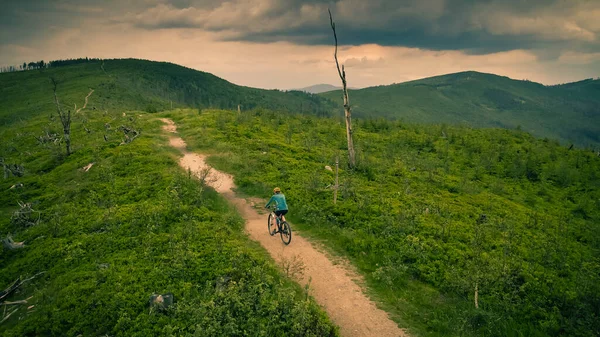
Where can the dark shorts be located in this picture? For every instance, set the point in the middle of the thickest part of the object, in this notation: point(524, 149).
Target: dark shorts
point(281, 212)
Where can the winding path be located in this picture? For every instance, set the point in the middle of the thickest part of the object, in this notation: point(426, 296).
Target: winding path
point(333, 285)
point(86, 101)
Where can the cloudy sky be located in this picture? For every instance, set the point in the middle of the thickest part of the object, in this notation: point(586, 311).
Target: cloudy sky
point(288, 43)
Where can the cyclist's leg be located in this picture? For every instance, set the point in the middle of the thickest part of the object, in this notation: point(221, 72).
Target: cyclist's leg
point(274, 223)
point(283, 213)
point(280, 218)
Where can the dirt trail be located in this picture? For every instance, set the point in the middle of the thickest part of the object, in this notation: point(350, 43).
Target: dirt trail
point(86, 100)
point(331, 284)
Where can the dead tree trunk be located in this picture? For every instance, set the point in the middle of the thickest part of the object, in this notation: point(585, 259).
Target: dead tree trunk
point(476, 295)
point(65, 118)
point(347, 113)
point(337, 185)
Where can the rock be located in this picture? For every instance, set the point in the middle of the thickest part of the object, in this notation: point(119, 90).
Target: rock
point(328, 168)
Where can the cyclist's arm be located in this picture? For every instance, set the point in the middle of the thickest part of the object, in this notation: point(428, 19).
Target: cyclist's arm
point(270, 201)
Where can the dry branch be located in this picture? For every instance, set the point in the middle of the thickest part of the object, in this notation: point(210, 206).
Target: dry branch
point(11, 289)
point(25, 216)
point(65, 118)
point(15, 285)
point(14, 169)
point(9, 243)
point(17, 302)
point(130, 134)
point(87, 167)
point(8, 316)
point(48, 137)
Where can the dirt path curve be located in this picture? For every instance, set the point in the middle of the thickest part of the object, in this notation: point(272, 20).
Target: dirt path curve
point(86, 100)
point(332, 285)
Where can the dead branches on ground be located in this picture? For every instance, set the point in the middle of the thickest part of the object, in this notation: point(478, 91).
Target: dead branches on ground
point(25, 216)
point(130, 134)
point(14, 169)
point(65, 118)
point(10, 244)
point(49, 138)
point(9, 291)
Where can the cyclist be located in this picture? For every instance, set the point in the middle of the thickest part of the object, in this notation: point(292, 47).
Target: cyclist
point(281, 207)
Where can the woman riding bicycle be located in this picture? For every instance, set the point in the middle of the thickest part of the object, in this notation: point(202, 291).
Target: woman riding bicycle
point(280, 205)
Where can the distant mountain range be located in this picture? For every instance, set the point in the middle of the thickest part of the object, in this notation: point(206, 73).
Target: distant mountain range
point(569, 113)
point(321, 88)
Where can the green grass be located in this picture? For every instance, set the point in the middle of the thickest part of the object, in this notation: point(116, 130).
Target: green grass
point(410, 216)
point(135, 224)
point(130, 84)
point(569, 113)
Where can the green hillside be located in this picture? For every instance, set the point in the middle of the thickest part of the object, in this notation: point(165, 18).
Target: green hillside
point(100, 242)
point(569, 113)
point(433, 213)
point(130, 84)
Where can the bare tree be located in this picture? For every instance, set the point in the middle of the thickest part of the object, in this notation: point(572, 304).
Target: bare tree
point(347, 114)
point(65, 118)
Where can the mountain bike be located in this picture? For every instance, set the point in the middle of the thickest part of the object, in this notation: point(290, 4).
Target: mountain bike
point(283, 227)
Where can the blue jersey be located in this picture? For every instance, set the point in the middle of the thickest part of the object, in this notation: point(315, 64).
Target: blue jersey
point(279, 201)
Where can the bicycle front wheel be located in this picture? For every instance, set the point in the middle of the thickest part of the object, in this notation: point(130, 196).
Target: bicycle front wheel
point(270, 224)
point(286, 232)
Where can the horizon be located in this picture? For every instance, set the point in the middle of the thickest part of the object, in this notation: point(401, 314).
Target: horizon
point(311, 85)
point(287, 44)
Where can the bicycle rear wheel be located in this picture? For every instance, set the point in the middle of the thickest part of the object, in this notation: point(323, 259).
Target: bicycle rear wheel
point(272, 230)
point(286, 232)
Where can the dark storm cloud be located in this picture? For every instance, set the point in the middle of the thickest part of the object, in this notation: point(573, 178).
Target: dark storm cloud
point(475, 26)
point(29, 20)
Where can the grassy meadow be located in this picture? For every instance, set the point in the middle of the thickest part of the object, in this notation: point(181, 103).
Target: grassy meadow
point(459, 230)
point(132, 226)
point(431, 214)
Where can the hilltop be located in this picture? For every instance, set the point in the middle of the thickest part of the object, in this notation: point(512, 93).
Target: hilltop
point(569, 113)
point(132, 84)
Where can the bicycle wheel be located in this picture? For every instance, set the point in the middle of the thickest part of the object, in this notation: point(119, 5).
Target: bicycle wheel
point(286, 232)
point(272, 231)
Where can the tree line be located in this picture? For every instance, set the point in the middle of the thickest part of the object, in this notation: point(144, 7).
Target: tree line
point(43, 65)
